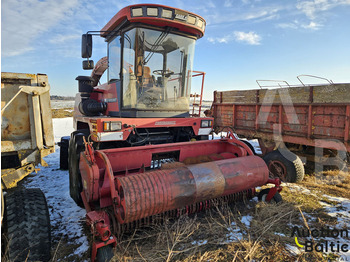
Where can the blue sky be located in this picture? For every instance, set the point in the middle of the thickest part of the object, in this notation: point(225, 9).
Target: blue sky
point(245, 40)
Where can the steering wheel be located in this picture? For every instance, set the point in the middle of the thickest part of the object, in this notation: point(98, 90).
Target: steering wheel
point(166, 73)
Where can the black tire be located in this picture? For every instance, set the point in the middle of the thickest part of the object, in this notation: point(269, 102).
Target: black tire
point(28, 226)
point(76, 146)
point(285, 165)
point(105, 254)
point(64, 145)
point(263, 194)
point(249, 145)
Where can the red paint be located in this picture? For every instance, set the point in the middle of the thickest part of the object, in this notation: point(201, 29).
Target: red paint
point(316, 121)
point(100, 228)
point(194, 122)
point(135, 194)
point(125, 13)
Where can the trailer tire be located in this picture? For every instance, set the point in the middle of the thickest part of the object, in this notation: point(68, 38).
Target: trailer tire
point(64, 145)
point(104, 254)
point(28, 225)
point(285, 165)
point(75, 148)
point(263, 194)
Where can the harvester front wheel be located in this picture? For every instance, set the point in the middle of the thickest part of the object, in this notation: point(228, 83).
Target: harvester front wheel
point(104, 254)
point(76, 146)
point(28, 225)
point(263, 194)
point(285, 165)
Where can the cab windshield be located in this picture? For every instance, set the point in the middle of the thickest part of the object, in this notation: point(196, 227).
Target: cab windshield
point(156, 70)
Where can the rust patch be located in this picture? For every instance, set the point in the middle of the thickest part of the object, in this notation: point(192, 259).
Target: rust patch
point(210, 182)
point(23, 108)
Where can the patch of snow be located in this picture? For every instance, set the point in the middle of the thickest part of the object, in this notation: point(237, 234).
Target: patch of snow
point(246, 220)
point(298, 188)
point(199, 242)
point(255, 199)
point(293, 250)
point(234, 233)
point(59, 104)
point(341, 210)
point(280, 234)
point(62, 127)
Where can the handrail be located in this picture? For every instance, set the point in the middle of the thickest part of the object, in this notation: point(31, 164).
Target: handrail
point(197, 73)
point(261, 86)
point(328, 80)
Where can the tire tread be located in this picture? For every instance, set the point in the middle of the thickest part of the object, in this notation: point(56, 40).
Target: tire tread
point(28, 226)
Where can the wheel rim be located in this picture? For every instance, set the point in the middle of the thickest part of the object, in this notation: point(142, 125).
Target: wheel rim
point(278, 169)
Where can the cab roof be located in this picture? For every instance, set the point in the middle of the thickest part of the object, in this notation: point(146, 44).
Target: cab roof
point(157, 15)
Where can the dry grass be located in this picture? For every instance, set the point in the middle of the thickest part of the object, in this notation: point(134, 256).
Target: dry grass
point(221, 235)
point(323, 182)
point(62, 112)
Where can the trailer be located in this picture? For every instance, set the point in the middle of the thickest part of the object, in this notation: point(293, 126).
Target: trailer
point(26, 138)
point(311, 121)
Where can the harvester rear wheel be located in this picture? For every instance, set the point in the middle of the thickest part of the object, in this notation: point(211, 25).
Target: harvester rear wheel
point(28, 226)
point(263, 194)
point(104, 254)
point(64, 145)
point(285, 165)
point(76, 146)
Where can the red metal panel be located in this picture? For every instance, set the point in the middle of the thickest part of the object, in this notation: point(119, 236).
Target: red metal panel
point(234, 115)
point(338, 121)
point(132, 158)
point(331, 133)
point(288, 138)
point(310, 121)
point(245, 123)
point(347, 124)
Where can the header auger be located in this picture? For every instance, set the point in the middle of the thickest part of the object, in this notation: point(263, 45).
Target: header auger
point(146, 158)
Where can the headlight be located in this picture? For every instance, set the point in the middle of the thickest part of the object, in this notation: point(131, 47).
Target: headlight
point(191, 20)
point(167, 13)
point(206, 123)
point(152, 11)
point(137, 11)
point(112, 126)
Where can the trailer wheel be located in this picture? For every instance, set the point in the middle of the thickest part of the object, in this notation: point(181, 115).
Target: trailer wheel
point(75, 148)
point(263, 194)
point(104, 254)
point(28, 226)
point(64, 145)
point(285, 165)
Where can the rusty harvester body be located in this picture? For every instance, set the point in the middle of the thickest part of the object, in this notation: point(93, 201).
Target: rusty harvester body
point(137, 154)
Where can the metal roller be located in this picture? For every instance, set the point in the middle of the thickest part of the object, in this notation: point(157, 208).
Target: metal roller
point(146, 194)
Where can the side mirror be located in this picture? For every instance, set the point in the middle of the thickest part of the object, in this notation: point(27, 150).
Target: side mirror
point(88, 64)
point(86, 46)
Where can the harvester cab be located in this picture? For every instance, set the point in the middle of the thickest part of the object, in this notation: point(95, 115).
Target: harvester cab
point(149, 65)
point(135, 157)
point(146, 98)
